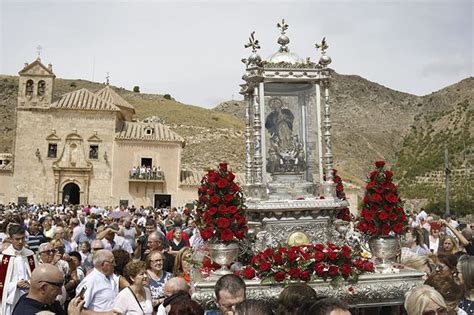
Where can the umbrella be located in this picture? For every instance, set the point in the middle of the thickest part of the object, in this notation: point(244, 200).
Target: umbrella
point(119, 215)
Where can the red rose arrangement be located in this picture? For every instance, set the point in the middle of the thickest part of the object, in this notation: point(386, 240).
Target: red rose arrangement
point(343, 214)
point(382, 210)
point(220, 209)
point(307, 262)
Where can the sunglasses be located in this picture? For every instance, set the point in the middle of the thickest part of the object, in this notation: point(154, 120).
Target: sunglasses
point(49, 252)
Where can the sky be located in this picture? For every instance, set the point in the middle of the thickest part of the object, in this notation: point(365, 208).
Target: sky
point(192, 50)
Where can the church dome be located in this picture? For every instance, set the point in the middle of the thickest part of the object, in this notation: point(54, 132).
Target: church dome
point(284, 56)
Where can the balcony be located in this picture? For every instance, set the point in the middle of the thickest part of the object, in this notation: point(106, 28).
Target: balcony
point(149, 176)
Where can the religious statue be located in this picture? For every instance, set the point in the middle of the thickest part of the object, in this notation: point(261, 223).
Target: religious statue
point(286, 152)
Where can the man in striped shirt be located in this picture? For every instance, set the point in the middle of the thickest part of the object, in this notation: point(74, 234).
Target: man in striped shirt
point(35, 237)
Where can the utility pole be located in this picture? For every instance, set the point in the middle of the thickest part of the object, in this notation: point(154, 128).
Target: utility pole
point(446, 180)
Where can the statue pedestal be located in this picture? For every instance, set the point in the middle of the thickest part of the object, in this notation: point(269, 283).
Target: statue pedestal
point(371, 290)
point(280, 221)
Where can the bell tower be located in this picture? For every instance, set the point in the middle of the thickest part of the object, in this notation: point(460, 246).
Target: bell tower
point(35, 88)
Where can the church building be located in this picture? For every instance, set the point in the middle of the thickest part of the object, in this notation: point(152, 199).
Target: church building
point(85, 148)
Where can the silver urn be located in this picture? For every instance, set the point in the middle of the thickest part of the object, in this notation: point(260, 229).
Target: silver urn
point(223, 254)
point(386, 248)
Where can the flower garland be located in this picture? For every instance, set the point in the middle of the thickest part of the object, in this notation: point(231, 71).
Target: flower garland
point(382, 211)
point(343, 214)
point(306, 263)
point(220, 209)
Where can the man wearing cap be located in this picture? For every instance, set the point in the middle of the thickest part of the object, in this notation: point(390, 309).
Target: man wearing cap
point(16, 265)
point(112, 241)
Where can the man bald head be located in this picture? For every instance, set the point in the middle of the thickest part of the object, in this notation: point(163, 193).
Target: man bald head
point(174, 285)
point(46, 283)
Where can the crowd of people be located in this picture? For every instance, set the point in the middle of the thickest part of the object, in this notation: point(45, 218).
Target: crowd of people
point(443, 250)
point(146, 172)
point(88, 260)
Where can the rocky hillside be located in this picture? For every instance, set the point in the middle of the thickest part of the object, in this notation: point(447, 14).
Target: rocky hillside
point(370, 122)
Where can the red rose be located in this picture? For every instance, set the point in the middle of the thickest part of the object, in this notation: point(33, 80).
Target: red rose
point(359, 264)
point(223, 166)
point(371, 228)
point(234, 188)
point(376, 197)
point(249, 273)
point(319, 247)
point(379, 164)
point(264, 265)
point(227, 235)
point(232, 209)
point(371, 184)
point(294, 273)
point(319, 269)
point(368, 266)
point(367, 215)
point(223, 223)
point(255, 259)
point(388, 174)
point(228, 198)
point(202, 189)
point(373, 174)
point(397, 228)
point(207, 233)
point(240, 219)
point(282, 250)
point(222, 209)
point(393, 216)
point(319, 256)
point(333, 270)
point(383, 216)
point(214, 199)
point(388, 207)
point(230, 176)
point(202, 199)
point(291, 256)
point(221, 183)
point(339, 187)
point(385, 229)
point(305, 276)
point(278, 259)
point(332, 255)
point(267, 252)
point(305, 256)
point(366, 199)
point(379, 190)
point(212, 210)
point(362, 226)
point(279, 276)
point(346, 270)
point(390, 197)
point(240, 234)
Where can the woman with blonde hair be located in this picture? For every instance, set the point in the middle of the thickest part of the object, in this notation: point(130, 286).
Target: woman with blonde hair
point(424, 299)
point(421, 263)
point(182, 264)
point(448, 245)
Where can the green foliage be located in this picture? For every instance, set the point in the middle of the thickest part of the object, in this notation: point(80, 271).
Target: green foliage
point(73, 84)
point(458, 208)
point(136, 89)
point(167, 96)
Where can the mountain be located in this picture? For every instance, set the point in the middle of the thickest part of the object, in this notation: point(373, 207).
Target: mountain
point(370, 122)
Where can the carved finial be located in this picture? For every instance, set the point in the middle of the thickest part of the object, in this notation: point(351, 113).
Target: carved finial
point(107, 77)
point(282, 26)
point(253, 43)
point(38, 51)
point(323, 46)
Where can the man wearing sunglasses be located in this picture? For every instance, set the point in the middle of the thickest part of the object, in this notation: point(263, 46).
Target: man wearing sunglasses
point(45, 285)
point(16, 265)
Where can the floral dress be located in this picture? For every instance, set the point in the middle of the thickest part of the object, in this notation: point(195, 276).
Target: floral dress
point(157, 288)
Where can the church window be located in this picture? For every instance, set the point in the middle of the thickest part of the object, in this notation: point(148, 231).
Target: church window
point(94, 152)
point(41, 87)
point(148, 131)
point(52, 150)
point(29, 87)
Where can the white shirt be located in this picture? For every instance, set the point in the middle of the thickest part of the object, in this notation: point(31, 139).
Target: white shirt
point(126, 303)
point(120, 242)
point(101, 291)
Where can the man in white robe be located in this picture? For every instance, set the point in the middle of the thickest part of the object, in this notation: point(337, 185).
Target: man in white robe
point(16, 265)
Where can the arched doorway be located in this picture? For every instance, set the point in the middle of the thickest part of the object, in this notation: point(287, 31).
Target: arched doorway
point(71, 194)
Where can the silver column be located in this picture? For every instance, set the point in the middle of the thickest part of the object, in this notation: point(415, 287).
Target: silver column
point(257, 127)
point(248, 140)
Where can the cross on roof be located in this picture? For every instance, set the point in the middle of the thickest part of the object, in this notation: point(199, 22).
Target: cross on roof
point(38, 50)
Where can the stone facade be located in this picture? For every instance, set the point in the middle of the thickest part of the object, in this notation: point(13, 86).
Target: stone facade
point(82, 147)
